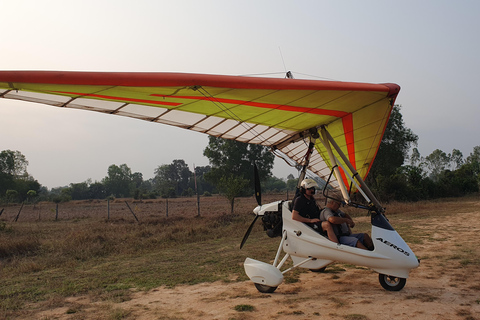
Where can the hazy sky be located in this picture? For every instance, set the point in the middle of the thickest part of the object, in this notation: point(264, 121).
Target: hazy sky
point(430, 48)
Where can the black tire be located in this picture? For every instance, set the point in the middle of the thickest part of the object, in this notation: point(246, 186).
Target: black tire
point(391, 283)
point(319, 270)
point(264, 288)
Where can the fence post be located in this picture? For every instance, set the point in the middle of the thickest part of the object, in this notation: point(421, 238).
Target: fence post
point(18, 215)
point(198, 205)
point(131, 211)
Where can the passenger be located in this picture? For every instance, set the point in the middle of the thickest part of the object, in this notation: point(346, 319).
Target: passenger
point(305, 209)
point(342, 223)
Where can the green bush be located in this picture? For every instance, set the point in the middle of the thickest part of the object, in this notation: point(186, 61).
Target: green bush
point(244, 307)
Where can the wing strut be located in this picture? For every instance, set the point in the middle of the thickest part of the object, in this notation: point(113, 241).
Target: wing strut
point(313, 136)
point(355, 174)
point(313, 133)
point(311, 145)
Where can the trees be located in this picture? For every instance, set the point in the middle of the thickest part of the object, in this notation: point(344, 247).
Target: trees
point(437, 175)
point(80, 191)
point(274, 184)
point(291, 183)
point(237, 158)
point(232, 164)
point(14, 175)
point(97, 190)
point(230, 187)
point(24, 185)
point(393, 151)
point(119, 181)
point(456, 159)
point(203, 185)
point(13, 163)
point(451, 174)
point(474, 161)
point(437, 162)
point(456, 183)
point(176, 179)
point(172, 179)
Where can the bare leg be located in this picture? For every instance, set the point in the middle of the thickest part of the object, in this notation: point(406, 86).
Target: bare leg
point(368, 242)
point(360, 245)
point(327, 226)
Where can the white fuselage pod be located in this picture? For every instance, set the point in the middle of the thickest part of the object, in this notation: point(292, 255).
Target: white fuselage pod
point(391, 255)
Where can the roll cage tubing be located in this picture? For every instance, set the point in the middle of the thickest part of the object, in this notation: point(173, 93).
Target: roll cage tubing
point(313, 136)
point(328, 141)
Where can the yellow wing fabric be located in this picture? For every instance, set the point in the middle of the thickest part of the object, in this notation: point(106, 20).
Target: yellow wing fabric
point(272, 112)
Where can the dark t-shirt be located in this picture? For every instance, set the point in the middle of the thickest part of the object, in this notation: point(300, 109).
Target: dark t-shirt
point(306, 208)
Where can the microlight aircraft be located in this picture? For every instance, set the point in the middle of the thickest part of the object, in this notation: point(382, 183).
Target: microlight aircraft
point(332, 129)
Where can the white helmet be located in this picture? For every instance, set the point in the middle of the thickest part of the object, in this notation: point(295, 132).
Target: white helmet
point(308, 183)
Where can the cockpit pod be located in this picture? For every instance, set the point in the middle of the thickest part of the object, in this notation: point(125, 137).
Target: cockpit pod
point(391, 256)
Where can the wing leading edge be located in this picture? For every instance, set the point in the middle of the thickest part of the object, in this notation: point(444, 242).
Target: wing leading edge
point(277, 113)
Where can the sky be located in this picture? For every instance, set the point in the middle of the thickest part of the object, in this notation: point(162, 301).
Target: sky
point(430, 48)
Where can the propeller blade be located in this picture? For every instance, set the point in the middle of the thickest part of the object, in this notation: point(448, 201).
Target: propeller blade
point(245, 237)
point(258, 191)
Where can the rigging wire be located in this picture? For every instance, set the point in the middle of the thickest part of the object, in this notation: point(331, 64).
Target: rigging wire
point(281, 55)
point(316, 77)
point(284, 73)
point(262, 74)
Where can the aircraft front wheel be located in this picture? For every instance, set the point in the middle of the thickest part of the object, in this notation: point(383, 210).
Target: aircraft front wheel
point(264, 288)
point(391, 283)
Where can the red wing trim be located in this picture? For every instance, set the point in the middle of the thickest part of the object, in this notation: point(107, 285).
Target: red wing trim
point(327, 112)
point(347, 122)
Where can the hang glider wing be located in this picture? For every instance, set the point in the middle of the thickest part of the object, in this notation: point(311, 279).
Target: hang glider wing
point(276, 113)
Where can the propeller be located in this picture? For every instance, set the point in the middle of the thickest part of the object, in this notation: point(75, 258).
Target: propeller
point(258, 197)
point(245, 237)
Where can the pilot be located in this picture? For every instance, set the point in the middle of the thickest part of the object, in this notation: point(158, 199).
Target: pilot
point(305, 210)
point(342, 223)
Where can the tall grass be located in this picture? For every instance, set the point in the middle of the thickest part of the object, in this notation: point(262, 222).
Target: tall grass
point(45, 260)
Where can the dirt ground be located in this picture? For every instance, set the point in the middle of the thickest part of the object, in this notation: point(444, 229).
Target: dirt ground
point(445, 286)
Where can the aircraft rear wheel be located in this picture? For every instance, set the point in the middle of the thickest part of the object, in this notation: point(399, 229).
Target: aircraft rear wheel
point(391, 283)
point(264, 288)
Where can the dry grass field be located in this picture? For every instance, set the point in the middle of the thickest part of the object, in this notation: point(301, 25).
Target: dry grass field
point(84, 264)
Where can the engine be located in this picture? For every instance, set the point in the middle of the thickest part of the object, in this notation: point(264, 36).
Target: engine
point(272, 223)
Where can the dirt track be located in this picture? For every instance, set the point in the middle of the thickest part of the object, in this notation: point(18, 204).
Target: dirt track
point(445, 286)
